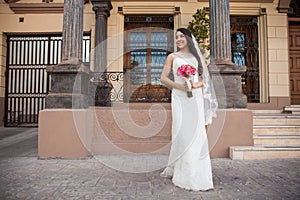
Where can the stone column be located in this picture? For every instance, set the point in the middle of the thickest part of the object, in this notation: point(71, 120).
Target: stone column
point(222, 68)
point(102, 12)
point(100, 88)
point(69, 79)
point(220, 32)
point(72, 31)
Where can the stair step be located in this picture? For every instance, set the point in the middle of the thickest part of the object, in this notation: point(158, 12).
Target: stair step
point(294, 109)
point(276, 130)
point(263, 152)
point(277, 140)
point(276, 120)
point(266, 111)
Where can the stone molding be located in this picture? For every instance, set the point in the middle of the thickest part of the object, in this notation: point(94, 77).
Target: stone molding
point(245, 1)
point(145, 8)
point(36, 8)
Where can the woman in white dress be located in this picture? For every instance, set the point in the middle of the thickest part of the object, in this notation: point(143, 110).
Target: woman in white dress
point(189, 163)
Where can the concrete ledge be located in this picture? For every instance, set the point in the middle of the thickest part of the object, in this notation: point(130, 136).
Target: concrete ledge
point(66, 133)
point(232, 127)
point(61, 136)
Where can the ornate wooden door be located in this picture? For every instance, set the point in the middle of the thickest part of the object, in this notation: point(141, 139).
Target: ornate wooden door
point(245, 52)
point(294, 43)
point(148, 40)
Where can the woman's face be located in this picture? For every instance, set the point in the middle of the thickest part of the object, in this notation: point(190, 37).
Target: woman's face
point(181, 40)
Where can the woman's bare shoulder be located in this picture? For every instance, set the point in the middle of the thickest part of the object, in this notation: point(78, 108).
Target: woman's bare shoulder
point(170, 56)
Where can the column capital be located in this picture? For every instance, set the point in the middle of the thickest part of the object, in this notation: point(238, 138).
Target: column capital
point(283, 6)
point(102, 7)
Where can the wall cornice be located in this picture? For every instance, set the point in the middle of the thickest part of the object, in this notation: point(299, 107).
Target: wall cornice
point(34, 8)
point(245, 1)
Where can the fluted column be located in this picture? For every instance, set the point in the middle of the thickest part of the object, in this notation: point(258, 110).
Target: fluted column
point(220, 42)
point(69, 79)
point(226, 76)
point(72, 30)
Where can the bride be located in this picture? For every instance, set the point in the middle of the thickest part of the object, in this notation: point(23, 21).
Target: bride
point(189, 163)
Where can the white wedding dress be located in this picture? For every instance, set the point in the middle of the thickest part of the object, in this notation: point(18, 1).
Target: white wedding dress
point(189, 162)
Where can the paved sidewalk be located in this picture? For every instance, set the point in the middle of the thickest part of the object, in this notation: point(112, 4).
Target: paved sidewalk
point(24, 176)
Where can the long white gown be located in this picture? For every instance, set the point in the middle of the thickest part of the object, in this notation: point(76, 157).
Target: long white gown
point(189, 162)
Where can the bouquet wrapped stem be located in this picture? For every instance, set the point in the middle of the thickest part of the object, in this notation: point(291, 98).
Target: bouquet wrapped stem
point(189, 92)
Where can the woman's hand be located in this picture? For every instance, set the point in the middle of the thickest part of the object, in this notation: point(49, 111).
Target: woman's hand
point(198, 84)
point(184, 87)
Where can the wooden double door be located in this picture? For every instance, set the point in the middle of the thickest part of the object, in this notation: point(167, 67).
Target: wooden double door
point(147, 42)
point(294, 46)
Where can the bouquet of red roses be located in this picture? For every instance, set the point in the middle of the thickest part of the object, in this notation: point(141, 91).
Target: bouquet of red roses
point(187, 72)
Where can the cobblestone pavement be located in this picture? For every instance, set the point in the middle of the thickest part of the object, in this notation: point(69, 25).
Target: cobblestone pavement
point(24, 176)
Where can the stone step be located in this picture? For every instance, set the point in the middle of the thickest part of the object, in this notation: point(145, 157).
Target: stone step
point(266, 111)
point(276, 140)
point(276, 129)
point(294, 109)
point(281, 119)
point(265, 152)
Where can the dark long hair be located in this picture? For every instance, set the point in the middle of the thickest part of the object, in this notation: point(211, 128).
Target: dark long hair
point(191, 46)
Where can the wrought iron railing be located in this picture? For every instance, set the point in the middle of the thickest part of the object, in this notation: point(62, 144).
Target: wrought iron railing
point(120, 89)
point(113, 80)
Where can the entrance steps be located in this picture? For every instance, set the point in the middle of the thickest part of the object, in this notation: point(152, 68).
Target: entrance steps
point(294, 109)
point(276, 135)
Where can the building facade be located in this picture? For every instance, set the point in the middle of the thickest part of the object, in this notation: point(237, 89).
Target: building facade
point(140, 34)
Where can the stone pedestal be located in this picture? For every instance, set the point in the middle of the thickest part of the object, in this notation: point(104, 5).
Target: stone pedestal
point(227, 83)
point(60, 135)
point(69, 86)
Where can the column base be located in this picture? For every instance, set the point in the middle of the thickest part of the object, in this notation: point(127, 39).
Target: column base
point(228, 85)
point(232, 101)
point(69, 86)
point(75, 101)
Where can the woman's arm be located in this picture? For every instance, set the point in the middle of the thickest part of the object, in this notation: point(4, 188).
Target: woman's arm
point(164, 78)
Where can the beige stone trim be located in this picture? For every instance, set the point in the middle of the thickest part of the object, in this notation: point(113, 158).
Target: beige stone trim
point(245, 1)
point(2, 64)
point(146, 8)
point(30, 8)
point(263, 59)
point(245, 9)
point(115, 42)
